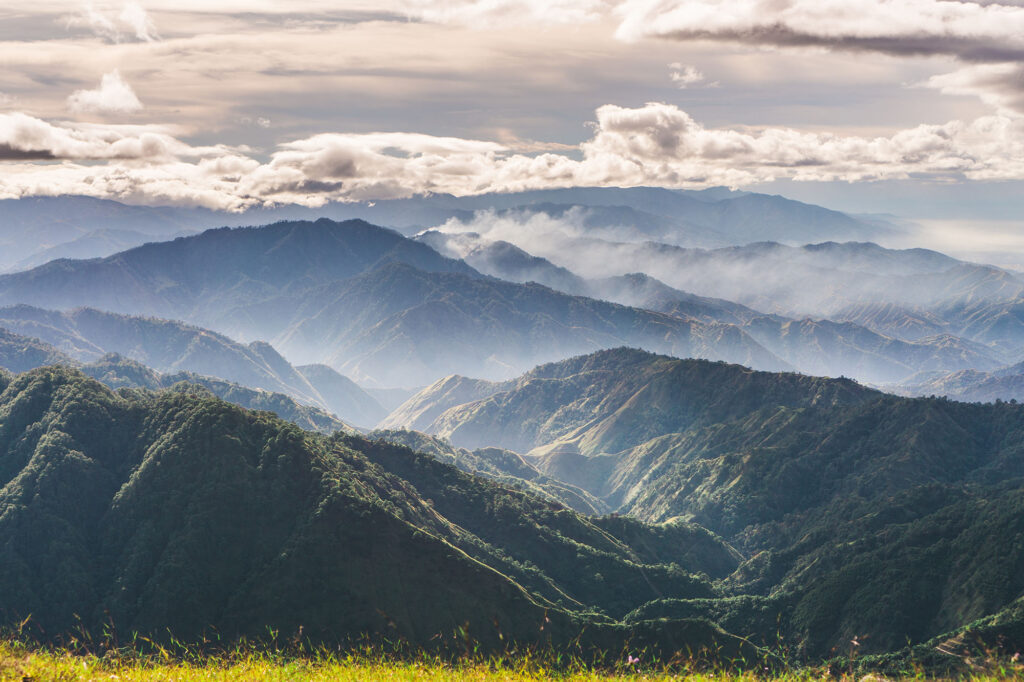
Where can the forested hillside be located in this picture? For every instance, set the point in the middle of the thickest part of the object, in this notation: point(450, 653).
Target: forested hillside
point(858, 513)
point(178, 513)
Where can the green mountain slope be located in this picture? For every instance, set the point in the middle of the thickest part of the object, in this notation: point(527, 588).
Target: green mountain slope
point(505, 466)
point(611, 400)
point(859, 514)
point(174, 512)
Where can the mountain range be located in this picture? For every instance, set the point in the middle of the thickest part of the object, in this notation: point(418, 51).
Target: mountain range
point(603, 420)
point(858, 513)
point(34, 230)
point(177, 513)
point(21, 354)
point(787, 509)
point(85, 335)
point(392, 312)
point(358, 297)
point(818, 346)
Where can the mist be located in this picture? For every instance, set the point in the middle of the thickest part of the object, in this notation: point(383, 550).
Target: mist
point(996, 242)
point(816, 281)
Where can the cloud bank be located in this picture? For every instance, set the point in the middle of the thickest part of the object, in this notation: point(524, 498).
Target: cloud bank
point(968, 30)
point(656, 144)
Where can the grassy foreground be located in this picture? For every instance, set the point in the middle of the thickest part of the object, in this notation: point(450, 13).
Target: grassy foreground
point(29, 664)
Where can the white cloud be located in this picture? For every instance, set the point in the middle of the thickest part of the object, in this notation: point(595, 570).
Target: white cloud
point(684, 76)
point(969, 30)
point(135, 18)
point(115, 23)
point(661, 144)
point(113, 96)
point(998, 85)
point(656, 144)
point(497, 13)
point(23, 135)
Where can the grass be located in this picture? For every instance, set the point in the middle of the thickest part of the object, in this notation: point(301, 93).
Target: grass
point(26, 663)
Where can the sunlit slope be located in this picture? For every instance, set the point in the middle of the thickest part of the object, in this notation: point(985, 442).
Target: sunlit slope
point(172, 512)
point(858, 512)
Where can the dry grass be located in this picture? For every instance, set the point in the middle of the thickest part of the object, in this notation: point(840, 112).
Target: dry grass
point(21, 663)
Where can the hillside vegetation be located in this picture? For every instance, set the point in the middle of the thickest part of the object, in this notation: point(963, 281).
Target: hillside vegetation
point(859, 515)
point(179, 513)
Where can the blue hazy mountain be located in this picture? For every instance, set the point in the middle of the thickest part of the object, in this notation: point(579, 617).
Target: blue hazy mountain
point(41, 228)
point(85, 335)
point(373, 304)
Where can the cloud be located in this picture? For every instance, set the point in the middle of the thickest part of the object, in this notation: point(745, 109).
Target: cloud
point(661, 144)
point(113, 96)
point(498, 13)
point(968, 30)
point(135, 18)
point(998, 85)
point(657, 144)
point(684, 76)
point(9, 152)
point(114, 23)
point(374, 166)
point(25, 136)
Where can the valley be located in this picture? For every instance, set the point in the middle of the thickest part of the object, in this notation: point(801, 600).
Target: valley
point(651, 455)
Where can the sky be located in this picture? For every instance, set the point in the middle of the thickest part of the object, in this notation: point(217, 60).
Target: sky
point(911, 107)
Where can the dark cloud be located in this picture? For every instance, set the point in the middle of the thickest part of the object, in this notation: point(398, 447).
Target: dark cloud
point(966, 49)
point(970, 31)
point(9, 153)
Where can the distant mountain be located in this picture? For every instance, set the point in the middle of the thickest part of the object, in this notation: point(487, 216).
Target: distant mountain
point(708, 218)
point(164, 345)
point(200, 278)
point(386, 310)
point(813, 346)
point(504, 466)
point(821, 347)
point(22, 353)
point(117, 372)
point(503, 260)
point(715, 217)
point(95, 244)
point(172, 347)
point(389, 311)
point(36, 229)
point(828, 348)
point(343, 395)
point(1005, 383)
point(399, 326)
point(815, 280)
point(857, 512)
point(177, 514)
